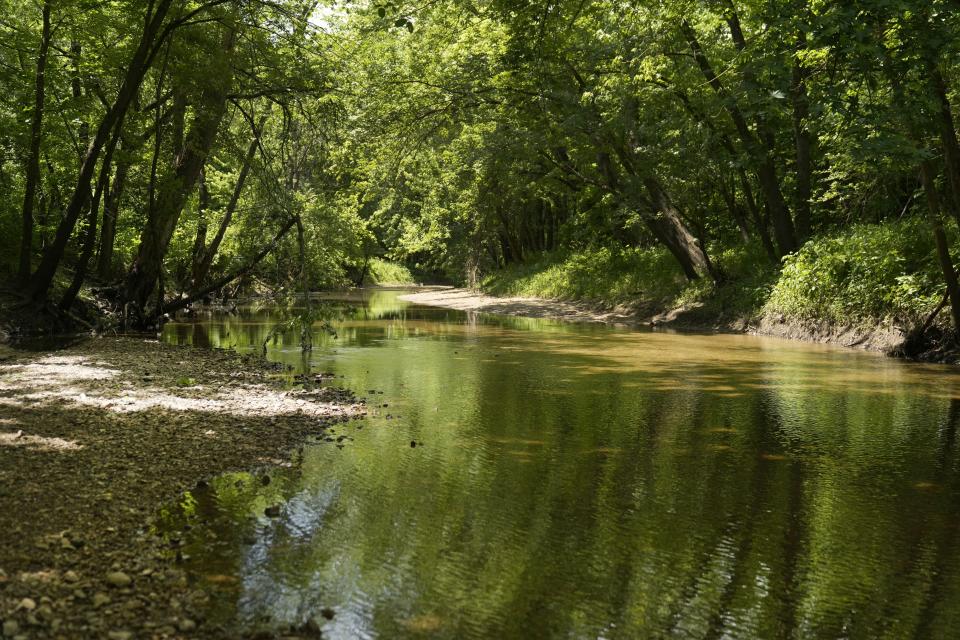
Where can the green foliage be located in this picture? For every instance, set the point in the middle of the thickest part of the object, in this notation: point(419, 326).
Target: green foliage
point(864, 274)
point(383, 272)
point(606, 276)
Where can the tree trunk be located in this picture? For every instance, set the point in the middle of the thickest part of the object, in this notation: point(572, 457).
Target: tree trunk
point(203, 268)
point(803, 142)
point(43, 277)
point(33, 161)
point(948, 137)
point(729, 196)
point(76, 86)
point(90, 234)
point(174, 189)
point(668, 227)
point(200, 241)
point(765, 164)
point(224, 281)
point(111, 207)
point(928, 176)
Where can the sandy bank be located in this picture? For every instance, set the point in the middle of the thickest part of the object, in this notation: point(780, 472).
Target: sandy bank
point(94, 438)
point(469, 300)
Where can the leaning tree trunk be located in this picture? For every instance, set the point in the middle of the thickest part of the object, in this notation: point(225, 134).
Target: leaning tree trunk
point(180, 303)
point(763, 159)
point(174, 189)
point(33, 161)
point(928, 176)
point(111, 207)
point(202, 267)
point(90, 234)
point(669, 228)
point(43, 277)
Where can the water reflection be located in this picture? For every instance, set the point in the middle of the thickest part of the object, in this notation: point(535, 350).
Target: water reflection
point(582, 481)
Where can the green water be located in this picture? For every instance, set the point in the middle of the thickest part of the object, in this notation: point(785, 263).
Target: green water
point(582, 481)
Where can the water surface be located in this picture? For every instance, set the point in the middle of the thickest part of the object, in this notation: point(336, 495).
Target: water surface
point(582, 481)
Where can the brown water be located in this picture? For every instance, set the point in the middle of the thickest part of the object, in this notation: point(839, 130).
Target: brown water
point(582, 481)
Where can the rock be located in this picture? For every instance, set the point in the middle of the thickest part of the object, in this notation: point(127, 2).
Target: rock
point(186, 625)
point(119, 579)
point(10, 628)
point(100, 599)
point(27, 604)
point(120, 635)
point(71, 576)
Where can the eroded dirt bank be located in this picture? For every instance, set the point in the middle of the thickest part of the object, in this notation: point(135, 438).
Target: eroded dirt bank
point(93, 439)
point(887, 339)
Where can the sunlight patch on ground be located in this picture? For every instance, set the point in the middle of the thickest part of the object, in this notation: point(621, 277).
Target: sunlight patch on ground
point(38, 443)
point(74, 380)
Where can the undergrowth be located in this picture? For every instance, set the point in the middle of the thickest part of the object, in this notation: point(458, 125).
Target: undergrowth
point(382, 272)
point(864, 274)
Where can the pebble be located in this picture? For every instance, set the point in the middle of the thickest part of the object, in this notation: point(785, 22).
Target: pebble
point(100, 599)
point(119, 579)
point(28, 604)
point(10, 628)
point(186, 625)
point(71, 576)
point(120, 635)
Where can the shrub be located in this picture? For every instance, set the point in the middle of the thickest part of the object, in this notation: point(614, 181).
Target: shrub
point(383, 272)
point(865, 274)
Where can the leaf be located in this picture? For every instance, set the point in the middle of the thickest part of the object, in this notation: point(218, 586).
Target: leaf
point(400, 22)
point(410, 27)
point(381, 12)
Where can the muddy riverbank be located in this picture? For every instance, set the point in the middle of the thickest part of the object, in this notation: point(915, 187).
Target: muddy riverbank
point(93, 439)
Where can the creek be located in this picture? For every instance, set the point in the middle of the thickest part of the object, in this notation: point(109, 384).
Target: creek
point(586, 481)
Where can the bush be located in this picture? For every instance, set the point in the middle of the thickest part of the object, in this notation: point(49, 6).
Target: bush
point(382, 272)
point(867, 273)
point(607, 276)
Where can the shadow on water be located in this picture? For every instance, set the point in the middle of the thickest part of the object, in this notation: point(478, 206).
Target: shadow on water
point(586, 481)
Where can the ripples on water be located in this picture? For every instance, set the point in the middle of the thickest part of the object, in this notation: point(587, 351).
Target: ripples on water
point(582, 482)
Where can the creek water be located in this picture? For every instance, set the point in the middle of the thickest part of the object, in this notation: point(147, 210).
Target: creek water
point(584, 481)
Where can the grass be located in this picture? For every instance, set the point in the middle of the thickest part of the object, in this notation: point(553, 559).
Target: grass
point(605, 276)
point(864, 274)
